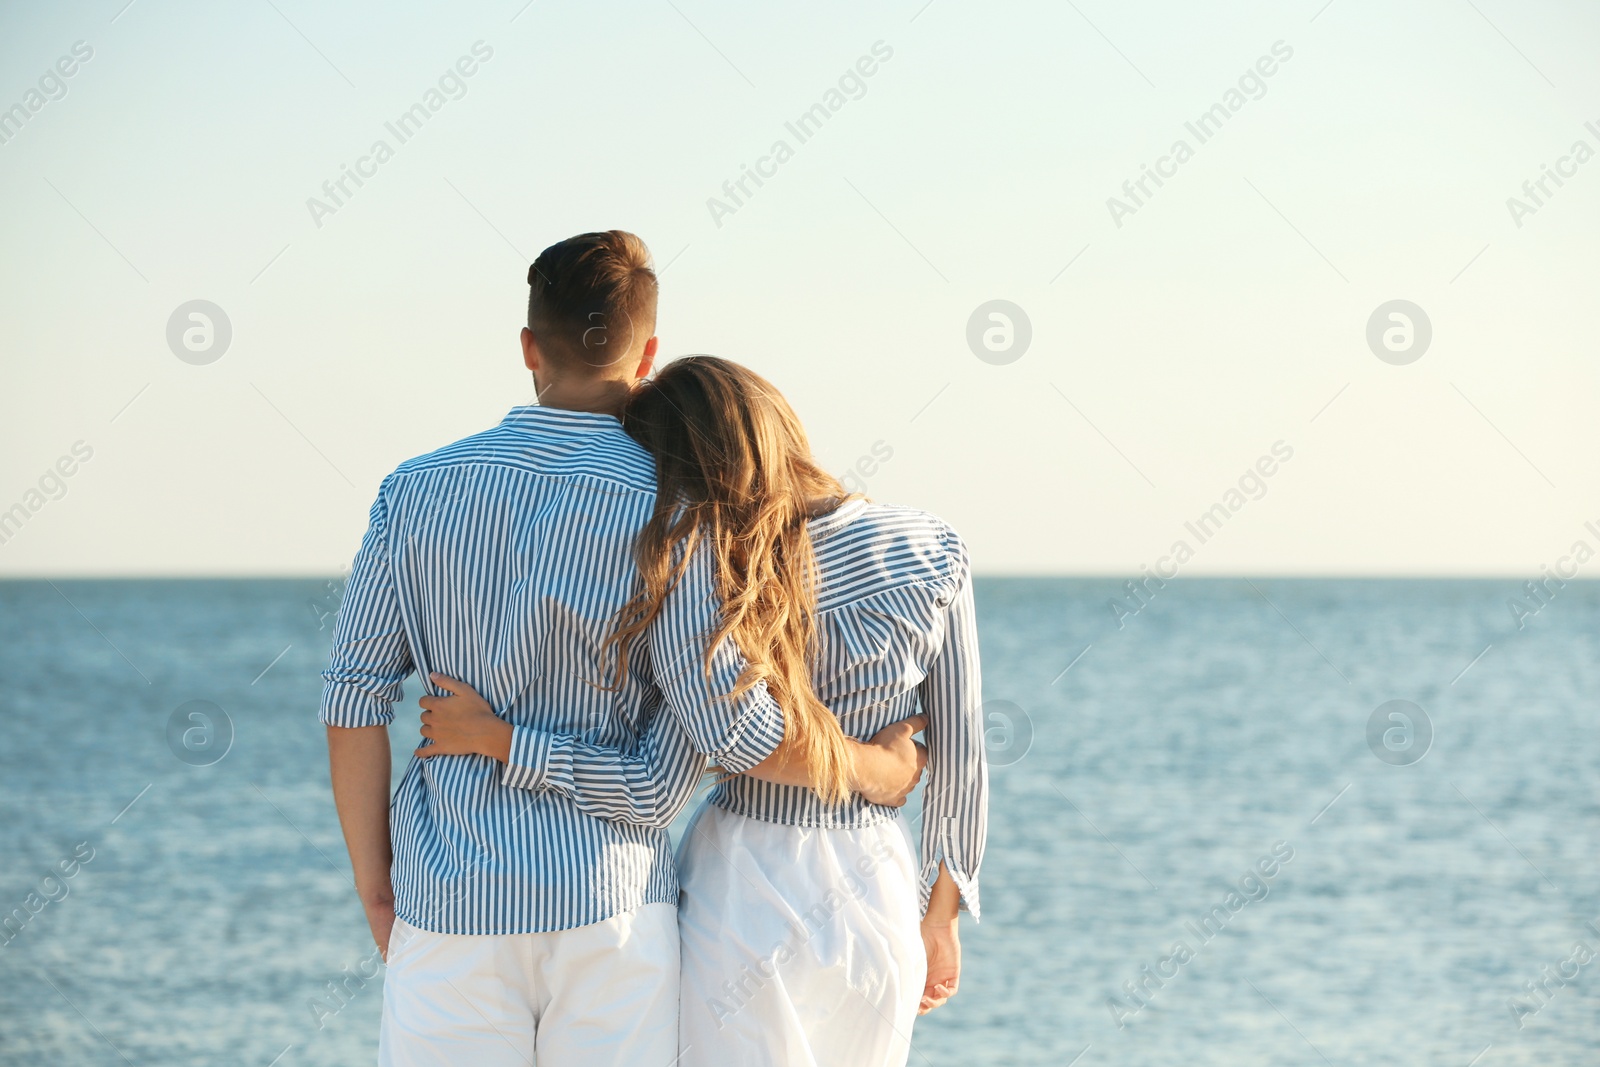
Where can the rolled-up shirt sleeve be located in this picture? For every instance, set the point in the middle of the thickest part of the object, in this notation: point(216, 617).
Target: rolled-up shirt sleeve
point(371, 654)
point(955, 806)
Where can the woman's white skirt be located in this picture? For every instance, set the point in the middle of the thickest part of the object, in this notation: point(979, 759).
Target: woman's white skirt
point(800, 946)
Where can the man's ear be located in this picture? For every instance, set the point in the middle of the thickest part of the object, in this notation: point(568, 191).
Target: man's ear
point(530, 350)
point(649, 360)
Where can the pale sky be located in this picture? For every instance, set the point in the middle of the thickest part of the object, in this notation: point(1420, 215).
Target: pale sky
point(1168, 354)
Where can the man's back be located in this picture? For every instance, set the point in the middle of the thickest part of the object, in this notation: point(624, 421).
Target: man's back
point(518, 928)
point(502, 560)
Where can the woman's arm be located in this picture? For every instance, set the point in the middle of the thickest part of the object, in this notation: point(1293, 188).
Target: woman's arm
point(955, 804)
point(649, 784)
point(941, 939)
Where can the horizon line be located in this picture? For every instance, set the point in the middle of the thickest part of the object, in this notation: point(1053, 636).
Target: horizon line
point(1018, 575)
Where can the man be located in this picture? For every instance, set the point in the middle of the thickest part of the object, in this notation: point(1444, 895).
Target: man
point(516, 927)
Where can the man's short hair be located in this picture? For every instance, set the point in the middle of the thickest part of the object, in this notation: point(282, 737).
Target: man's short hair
point(592, 299)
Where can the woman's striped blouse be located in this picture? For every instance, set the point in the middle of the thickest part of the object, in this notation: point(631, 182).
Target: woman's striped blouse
point(897, 635)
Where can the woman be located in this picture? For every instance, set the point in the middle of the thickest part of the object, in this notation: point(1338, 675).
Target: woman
point(810, 935)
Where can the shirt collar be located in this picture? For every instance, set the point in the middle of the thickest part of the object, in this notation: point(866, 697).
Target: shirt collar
point(534, 416)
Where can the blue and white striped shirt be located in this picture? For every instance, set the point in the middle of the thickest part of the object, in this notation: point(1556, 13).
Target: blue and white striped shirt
point(502, 560)
point(897, 634)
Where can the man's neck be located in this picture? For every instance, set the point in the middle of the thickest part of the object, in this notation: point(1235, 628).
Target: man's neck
point(603, 397)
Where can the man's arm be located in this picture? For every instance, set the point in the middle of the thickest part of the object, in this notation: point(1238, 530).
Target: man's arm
point(883, 770)
point(358, 762)
point(370, 660)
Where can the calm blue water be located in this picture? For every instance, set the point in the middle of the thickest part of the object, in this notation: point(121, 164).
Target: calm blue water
point(1171, 758)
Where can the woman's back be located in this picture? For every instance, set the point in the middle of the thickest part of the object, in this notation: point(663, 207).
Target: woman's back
point(891, 636)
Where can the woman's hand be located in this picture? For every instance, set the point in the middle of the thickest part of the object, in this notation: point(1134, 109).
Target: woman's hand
point(942, 941)
point(462, 724)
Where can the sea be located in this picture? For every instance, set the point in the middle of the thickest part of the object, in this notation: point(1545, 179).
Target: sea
point(1232, 822)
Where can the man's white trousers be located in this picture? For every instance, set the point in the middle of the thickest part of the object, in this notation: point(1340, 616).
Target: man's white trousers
point(599, 995)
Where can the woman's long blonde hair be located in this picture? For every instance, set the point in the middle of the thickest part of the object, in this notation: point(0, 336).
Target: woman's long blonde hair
point(734, 472)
